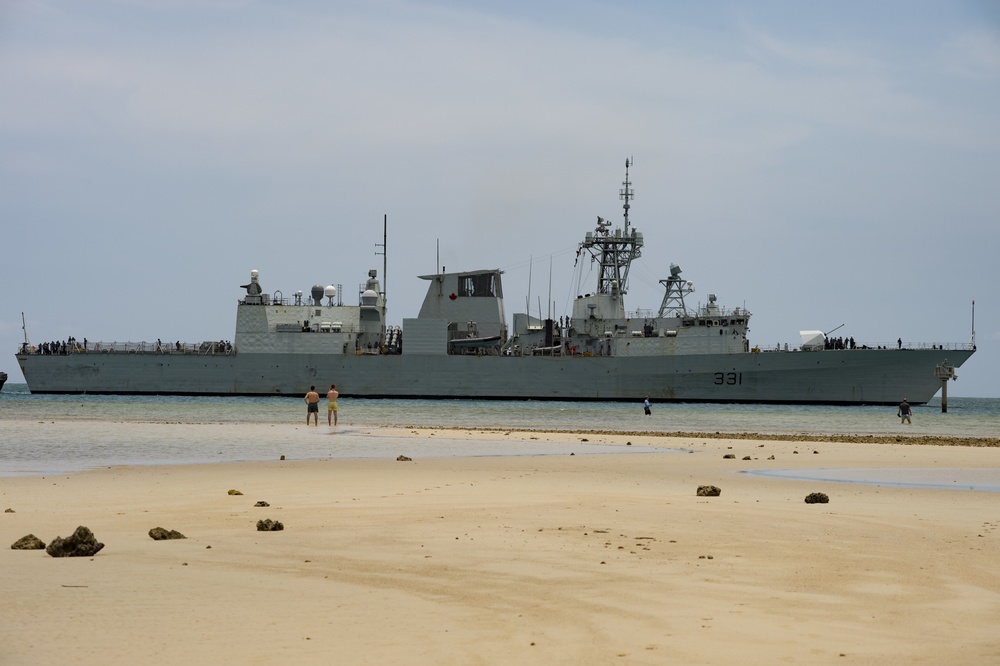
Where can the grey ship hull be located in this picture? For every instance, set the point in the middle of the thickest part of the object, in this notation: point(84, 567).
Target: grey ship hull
point(822, 377)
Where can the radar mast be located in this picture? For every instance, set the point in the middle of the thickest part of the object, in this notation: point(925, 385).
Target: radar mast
point(615, 250)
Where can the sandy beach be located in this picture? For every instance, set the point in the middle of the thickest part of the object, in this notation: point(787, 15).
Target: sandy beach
point(567, 559)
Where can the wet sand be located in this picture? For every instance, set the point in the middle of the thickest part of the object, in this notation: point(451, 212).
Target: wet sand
point(568, 559)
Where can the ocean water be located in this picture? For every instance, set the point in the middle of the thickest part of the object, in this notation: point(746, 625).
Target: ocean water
point(43, 434)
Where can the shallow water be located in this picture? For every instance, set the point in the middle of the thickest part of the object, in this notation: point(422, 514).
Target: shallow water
point(945, 478)
point(64, 433)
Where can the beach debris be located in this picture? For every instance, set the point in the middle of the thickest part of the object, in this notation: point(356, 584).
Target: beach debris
point(82, 543)
point(746, 457)
point(159, 534)
point(8, 511)
point(262, 503)
point(28, 542)
point(730, 455)
point(268, 525)
point(771, 457)
point(282, 457)
point(404, 459)
point(709, 491)
point(233, 491)
point(817, 498)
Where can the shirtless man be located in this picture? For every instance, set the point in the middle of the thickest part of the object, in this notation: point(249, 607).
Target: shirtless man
point(331, 404)
point(312, 405)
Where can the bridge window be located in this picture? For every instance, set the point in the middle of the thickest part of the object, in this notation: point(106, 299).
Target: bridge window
point(479, 284)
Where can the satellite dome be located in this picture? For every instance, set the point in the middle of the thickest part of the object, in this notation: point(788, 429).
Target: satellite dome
point(330, 291)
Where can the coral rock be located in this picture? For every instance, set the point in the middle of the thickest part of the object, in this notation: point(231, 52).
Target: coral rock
point(82, 543)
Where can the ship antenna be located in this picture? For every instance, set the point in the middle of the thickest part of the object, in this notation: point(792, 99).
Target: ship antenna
point(385, 258)
point(973, 324)
point(627, 193)
point(26, 343)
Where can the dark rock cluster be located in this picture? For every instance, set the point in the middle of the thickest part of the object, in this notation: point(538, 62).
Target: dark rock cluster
point(817, 498)
point(403, 459)
point(709, 491)
point(82, 543)
point(262, 503)
point(159, 534)
point(268, 525)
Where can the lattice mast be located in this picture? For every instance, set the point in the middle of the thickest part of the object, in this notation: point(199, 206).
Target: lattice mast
point(615, 251)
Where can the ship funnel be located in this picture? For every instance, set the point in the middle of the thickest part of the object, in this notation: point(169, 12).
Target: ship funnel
point(317, 294)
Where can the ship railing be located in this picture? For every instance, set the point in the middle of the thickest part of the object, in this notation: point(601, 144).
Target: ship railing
point(173, 348)
point(895, 346)
point(693, 312)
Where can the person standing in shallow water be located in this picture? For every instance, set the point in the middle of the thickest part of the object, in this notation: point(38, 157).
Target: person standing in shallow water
point(645, 406)
point(904, 412)
point(312, 405)
point(331, 404)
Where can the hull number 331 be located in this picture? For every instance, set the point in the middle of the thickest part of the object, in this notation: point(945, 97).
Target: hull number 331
point(729, 378)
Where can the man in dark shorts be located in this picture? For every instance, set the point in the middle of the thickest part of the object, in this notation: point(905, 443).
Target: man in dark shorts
point(904, 412)
point(312, 405)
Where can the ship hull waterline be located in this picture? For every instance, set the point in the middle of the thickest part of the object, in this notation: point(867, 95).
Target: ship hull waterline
point(847, 377)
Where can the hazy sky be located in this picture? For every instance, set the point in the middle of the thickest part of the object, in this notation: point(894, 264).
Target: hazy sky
point(819, 163)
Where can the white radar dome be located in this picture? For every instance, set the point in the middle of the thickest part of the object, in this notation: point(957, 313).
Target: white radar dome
point(330, 291)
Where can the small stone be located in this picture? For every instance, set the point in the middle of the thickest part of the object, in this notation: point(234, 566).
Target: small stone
point(160, 534)
point(234, 492)
point(262, 503)
point(9, 511)
point(268, 525)
point(730, 455)
point(281, 458)
point(403, 459)
point(28, 542)
point(709, 491)
point(746, 457)
point(817, 498)
point(771, 457)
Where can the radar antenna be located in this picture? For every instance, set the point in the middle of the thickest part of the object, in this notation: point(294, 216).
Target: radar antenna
point(627, 193)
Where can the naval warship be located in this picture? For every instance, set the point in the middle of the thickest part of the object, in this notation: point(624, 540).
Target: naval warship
point(460, 346)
